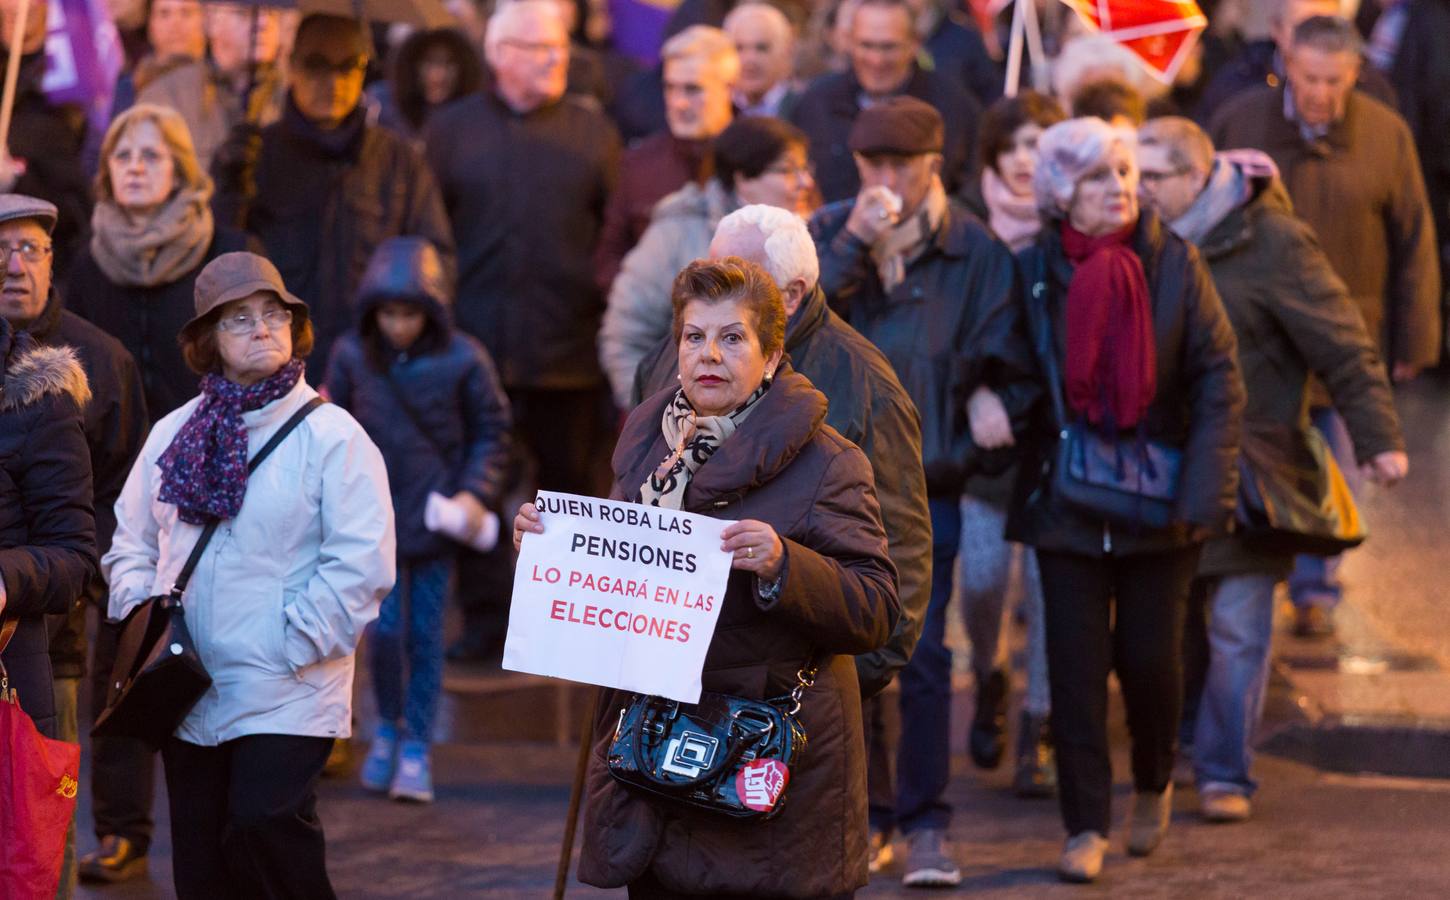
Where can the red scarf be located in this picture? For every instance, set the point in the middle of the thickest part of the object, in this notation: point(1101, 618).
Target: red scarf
point(1112, 370)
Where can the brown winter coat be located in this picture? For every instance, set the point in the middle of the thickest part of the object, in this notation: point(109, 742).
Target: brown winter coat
point(1362, 190)
point(785, 467)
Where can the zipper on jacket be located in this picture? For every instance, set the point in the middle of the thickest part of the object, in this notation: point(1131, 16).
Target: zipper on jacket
point(1107, 538)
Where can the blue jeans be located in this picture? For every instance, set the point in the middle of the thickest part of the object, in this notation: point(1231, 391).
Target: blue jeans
point(923, 762)
point(411, 617)
point(1315, 579)
point(1219, 723)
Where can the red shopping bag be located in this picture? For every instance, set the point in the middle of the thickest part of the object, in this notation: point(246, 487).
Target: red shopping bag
point(38, 782)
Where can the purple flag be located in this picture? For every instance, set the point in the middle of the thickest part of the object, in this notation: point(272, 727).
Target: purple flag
point(83, 58)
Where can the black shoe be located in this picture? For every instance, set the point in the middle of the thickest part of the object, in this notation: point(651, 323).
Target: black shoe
point(116, 860)
point(1036, 766)
point(989, 721)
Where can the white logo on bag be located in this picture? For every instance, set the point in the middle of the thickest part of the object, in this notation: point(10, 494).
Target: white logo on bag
point(690, 754)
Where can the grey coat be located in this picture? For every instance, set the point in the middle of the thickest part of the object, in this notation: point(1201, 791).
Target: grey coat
point(639, 311)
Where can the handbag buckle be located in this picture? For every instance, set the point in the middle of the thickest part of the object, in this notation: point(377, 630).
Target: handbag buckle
point(805, 679)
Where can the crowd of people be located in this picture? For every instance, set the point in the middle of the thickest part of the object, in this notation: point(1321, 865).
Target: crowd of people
point(809, 270)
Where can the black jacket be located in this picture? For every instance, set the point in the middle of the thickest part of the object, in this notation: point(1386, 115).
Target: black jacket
point(437, 413)
point(147, 321)
point(115, 425)
point(322, 206)
point(828, 109)
point(1198, 406)
point(47, 524)
point(955, 323)
point(870, 408)
point(1292, 317)
point(48, 139)
point(956, 49)
point(526, 194)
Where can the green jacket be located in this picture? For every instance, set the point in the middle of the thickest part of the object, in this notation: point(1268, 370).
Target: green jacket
point(1294, 318)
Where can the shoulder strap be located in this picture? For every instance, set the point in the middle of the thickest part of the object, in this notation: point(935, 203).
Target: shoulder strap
point(413, 417)
point(1039, 320)
point(182, 579)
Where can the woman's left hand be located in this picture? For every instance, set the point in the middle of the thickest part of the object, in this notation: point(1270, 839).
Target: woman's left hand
point(756, 546)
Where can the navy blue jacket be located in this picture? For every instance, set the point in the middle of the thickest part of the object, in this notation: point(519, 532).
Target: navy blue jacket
point(442, 423)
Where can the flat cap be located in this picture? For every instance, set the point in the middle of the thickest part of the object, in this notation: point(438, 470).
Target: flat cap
point(236, 276)
point(23, 206)
point(901, 125)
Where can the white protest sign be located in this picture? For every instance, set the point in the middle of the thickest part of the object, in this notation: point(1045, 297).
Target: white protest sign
point(617, 594)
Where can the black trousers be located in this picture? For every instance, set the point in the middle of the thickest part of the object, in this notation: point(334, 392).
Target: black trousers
point(123, 770)
point(1122, 614)
point(244, 819)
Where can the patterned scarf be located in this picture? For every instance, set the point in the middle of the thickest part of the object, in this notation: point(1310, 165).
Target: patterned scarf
point(204, 471)
point(694, 439)
point(908, 238)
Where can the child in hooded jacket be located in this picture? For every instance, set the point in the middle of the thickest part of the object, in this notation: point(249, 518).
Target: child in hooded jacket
point(429, 396)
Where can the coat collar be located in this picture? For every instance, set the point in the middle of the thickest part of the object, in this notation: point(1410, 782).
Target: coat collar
point(785, 420)
point(808, 318)
point(1281, 135)
point(32, 371)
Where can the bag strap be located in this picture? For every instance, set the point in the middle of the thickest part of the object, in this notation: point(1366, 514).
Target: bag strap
point(1039, 322)
point(416, 419)
point(7, 631)
point(287, 428)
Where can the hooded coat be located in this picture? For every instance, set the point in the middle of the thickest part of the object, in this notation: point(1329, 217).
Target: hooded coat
point(47, 521)
point(783, 466)
point(437, 412)
point(1293, 317)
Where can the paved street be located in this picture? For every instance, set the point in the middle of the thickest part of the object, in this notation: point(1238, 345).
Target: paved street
point(495, 829)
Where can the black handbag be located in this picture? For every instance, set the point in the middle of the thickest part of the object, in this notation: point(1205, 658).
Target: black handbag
point(1126, 480)
point(1292, 496)
point(158, 675)
point(725, 754)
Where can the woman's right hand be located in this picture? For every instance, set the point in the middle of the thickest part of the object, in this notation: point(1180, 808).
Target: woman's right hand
point(528, 519)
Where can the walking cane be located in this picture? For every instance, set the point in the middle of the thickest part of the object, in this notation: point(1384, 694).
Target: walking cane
point(576, 793)
point(12, 75)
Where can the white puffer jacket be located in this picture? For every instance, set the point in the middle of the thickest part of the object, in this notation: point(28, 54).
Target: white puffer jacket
point(283, 592)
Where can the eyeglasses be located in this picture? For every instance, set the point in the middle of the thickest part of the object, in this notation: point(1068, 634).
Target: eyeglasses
point(30, 251)
point(245, 322)
point(315, 65)
point(1151, 178)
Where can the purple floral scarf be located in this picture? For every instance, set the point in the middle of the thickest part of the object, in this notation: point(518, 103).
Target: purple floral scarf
point(204, 471)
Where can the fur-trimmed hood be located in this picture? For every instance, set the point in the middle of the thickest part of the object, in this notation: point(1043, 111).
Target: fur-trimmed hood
point(35, 372)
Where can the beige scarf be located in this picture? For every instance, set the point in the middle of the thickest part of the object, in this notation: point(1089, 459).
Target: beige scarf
point(908, 238)
point(695, 439)
point(158, 250)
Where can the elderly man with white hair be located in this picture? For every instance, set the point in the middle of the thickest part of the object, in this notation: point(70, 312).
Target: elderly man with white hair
point(868, 406)
point(1127, 313)
point(766, 42)
point(701, 69)
point(525, 172)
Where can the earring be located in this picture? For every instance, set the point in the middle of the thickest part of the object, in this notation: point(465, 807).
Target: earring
point(679, 378)
point(769, 377)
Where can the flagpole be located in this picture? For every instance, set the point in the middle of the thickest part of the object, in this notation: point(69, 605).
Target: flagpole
point(1036, 55)
point(12, 74)
point(1014, 50)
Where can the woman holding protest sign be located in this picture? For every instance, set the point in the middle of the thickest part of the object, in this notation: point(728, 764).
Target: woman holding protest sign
point(743, 438)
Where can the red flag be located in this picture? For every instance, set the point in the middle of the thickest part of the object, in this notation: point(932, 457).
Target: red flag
point(1160, 32)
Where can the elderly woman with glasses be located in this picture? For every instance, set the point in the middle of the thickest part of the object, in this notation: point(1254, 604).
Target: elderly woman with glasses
point(280, 595)
point(1128, 314)
point(743, 437)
